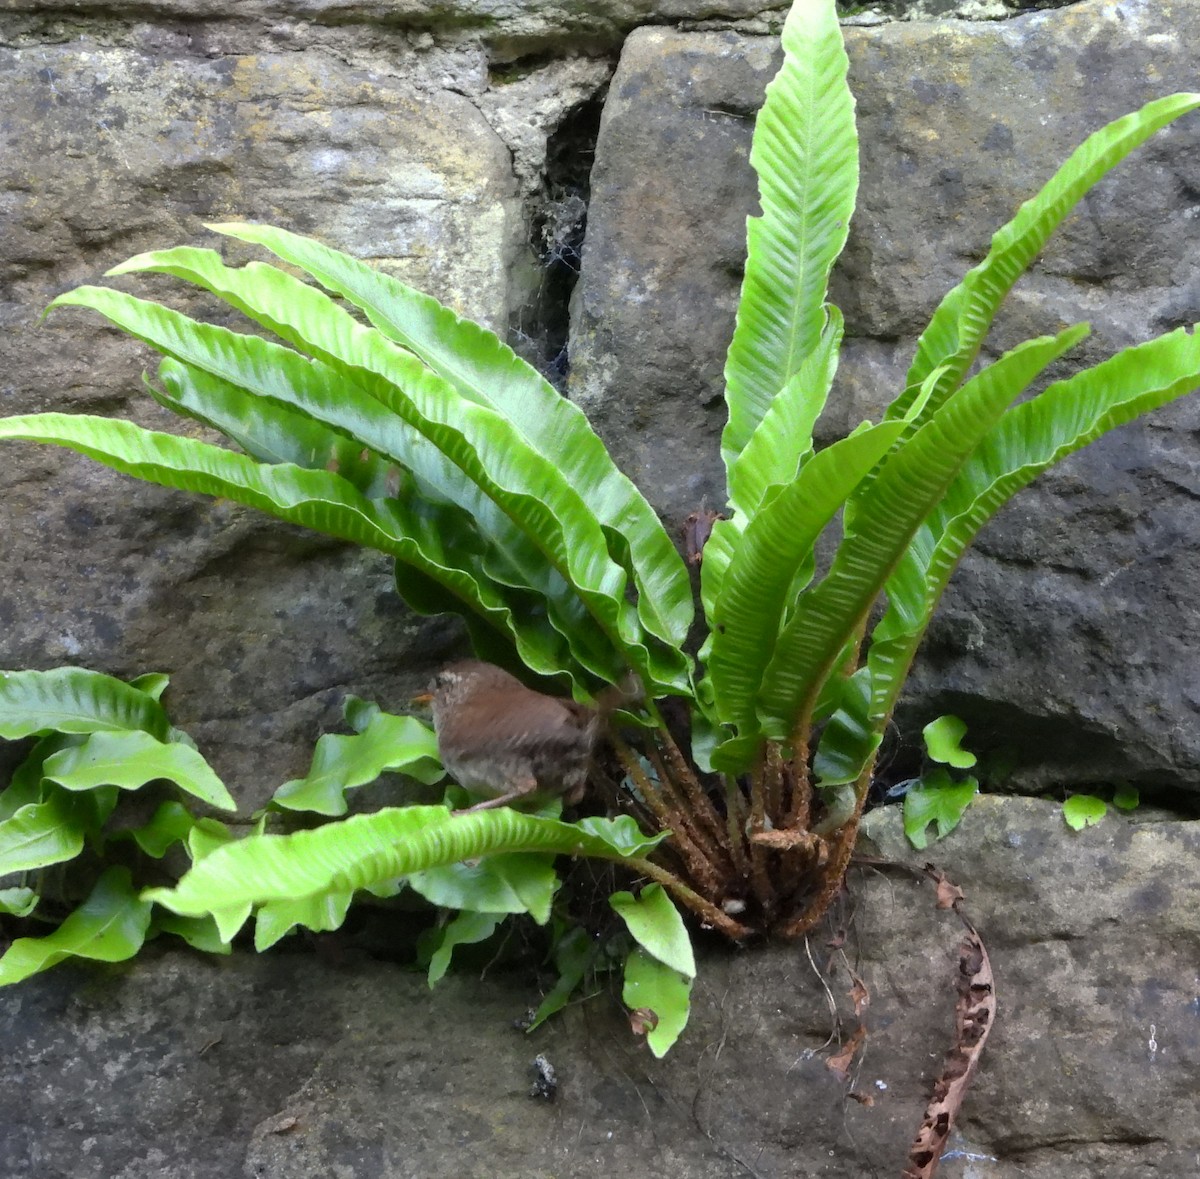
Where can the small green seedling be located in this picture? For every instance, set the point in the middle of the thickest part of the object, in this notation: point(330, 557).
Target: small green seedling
point(937, 797)
point(1086, 810)
point(1126, 798)
point(943, 738)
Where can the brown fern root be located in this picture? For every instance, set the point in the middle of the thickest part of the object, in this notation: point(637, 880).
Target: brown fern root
point(773, 785)
point(840, 845)
point(759, 848)
point(799, 782)
point(699, 855)
point(712, 843)
point(829, 880)
point(702, 805)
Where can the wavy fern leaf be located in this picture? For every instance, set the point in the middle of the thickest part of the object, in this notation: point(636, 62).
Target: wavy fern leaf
point(386, 743)
point(759, 586)
point(516, 882)
point(130, 760)
point(316, 499)
point(110, 926)
point(39, 834)
point(365, 850)
point(783, 440)
point(321, 913)
point(905, 489)
point(487, 371)
point(466, 929)
point(962, 319)
point(73, 699)
point(390, 401)
point(1030, 437)
point(656, 926)
point(805, 152)
point(660, 996)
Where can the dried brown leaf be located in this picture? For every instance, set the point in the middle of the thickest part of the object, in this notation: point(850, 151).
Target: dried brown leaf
point(948, 893)
point(859, 995)
point(841, 1061)
point(975, 1012)
point(696, 530)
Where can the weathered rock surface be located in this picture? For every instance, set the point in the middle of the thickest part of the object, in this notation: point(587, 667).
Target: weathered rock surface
point(1070, 634)
point(512, 28)
point(285, 1067)
point(515, 28)
point(958, 9)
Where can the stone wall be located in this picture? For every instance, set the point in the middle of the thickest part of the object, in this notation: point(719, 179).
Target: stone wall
point(1070, 633)
point(333, 1066)
point(453, 144)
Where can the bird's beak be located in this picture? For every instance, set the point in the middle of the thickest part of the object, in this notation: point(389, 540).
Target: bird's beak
point(423, 700)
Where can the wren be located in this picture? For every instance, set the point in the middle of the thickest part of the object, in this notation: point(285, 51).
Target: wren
point(498, 738)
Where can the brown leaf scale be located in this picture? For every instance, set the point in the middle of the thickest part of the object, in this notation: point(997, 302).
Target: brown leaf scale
point(785, 839)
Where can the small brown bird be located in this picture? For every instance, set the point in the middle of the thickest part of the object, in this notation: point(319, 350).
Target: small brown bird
point(499, 738)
